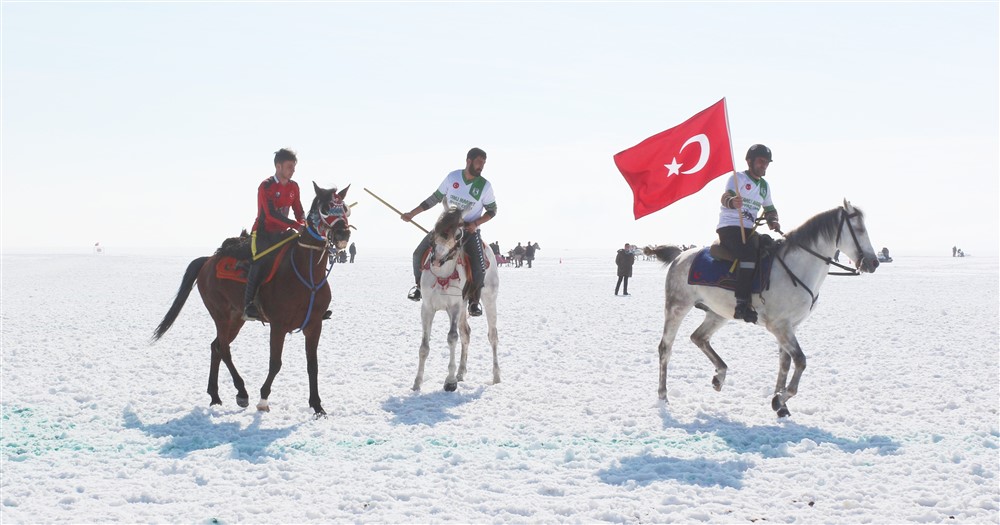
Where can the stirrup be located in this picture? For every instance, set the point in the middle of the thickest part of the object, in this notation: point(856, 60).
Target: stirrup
point(475, 310)
point(745, 312)
point(414, 294)
point(250, 313)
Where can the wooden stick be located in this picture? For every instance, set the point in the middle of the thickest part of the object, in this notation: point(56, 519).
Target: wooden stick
point(736, 186)
point(391, 207)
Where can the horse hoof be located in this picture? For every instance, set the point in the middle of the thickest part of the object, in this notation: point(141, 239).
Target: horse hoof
point(716, 384)
point(215, 402)
point(243, 402)
point(450, 387)
point(320, 414)
point(776, 402)
point(783, 412)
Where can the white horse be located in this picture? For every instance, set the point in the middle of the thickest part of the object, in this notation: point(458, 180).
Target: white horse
point(442, 287)
point(800, 267)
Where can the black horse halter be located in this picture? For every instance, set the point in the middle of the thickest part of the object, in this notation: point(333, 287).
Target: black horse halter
point(844, 217)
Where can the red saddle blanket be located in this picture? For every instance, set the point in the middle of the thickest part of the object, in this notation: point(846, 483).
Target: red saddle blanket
point(233, 269)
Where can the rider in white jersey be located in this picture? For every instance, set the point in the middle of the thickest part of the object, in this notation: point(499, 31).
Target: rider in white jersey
point(465, 189)
point(746, 196)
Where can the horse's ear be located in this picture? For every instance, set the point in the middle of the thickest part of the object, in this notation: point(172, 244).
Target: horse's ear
point(847, 204)
point(343, 192)
point(317, 188)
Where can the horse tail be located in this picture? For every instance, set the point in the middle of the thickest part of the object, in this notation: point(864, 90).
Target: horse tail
point(190, 276)
point(665, 254)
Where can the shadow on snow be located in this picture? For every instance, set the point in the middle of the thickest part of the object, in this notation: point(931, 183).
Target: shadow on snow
point(427, 409)
point(197, 431)
point(645, 469)
point(772, 441)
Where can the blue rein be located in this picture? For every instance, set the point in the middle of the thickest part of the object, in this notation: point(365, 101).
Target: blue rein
point(311, 284)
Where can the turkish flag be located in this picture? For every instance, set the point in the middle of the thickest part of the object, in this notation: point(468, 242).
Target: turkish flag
point(679, 161)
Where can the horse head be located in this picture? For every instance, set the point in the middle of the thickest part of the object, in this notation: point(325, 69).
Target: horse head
point(328, 216)
point(852, 238)
point(447, 236)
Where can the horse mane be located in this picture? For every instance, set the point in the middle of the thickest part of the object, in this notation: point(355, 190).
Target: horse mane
point(825, 224)
point(448, 221)
point(238, 247)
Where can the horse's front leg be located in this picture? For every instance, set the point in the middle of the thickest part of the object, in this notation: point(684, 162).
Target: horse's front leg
point(490, 304)
point(465, 333)
point(789, 351)
point(451, 383)
point(427, 320)
point(312, 333)
point(274, 366)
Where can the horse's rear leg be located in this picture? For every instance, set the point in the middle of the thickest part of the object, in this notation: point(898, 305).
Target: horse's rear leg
point(702, 337)
point(213, 374)
point(222, 353)
point(274, 366)
point(673, 317)
point(427, 319)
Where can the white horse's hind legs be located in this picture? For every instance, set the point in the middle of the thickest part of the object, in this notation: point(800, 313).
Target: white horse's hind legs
point(465, 333)
point(490, 303)
point(701, 337)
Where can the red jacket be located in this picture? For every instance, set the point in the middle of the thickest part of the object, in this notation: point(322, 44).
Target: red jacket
point(273, 201)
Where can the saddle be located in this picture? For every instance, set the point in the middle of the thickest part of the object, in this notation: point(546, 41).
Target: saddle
point(716, 266)
point(463, 262)
point(234, 259)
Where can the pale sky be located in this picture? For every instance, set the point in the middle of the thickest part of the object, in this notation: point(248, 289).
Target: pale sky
point(150, 125)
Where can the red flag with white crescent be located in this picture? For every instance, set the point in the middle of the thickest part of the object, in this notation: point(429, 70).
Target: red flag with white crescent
point(679, 161)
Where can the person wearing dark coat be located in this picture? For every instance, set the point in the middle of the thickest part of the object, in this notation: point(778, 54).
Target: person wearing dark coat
point(625, 259)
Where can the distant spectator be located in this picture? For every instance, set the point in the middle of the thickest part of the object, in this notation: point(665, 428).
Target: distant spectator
point(353, 251)
point(625, 259)
point(529, 253)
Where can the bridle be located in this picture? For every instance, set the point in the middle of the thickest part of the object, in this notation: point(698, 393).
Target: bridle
point(844, 218)
point(453, 251)
point(325, 222)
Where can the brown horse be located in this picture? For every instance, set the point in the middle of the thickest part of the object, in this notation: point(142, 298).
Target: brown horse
point(294, 298)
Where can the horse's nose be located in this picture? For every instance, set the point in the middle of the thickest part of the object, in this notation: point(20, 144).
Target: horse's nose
point(873, 263)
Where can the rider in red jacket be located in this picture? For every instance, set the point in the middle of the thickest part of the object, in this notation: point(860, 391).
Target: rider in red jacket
point(275, 196)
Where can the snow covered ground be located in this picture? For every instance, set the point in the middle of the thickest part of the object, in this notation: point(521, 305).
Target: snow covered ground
point(896, 418)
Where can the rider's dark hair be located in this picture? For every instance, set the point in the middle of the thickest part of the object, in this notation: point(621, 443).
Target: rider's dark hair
point(475, 153)
point(284, 154)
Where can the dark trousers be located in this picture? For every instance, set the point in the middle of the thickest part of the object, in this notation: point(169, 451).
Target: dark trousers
point(746, 253)
point(472, 244)
point(622, 279)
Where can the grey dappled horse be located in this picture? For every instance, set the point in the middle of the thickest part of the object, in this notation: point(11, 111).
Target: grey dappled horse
point(442, 283)
point(800, 267)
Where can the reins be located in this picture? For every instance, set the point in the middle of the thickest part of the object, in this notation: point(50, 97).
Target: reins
point(844, 217)
point(311, 284)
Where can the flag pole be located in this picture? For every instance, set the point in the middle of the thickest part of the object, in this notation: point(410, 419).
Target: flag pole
point(725, 106)
point(394, 209)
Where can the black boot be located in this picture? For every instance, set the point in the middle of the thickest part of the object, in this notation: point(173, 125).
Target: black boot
point(474, 309)
point(414, 294)
point(744, 286)
point(250, 312)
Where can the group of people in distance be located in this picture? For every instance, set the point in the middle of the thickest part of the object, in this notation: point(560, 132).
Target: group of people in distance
point(746, 193)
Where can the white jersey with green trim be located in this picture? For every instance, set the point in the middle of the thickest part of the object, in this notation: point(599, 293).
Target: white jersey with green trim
point(755, 193)
point(472, 196)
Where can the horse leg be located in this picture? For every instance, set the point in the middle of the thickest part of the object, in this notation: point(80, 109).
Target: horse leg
point(451, 383)
point(274, 366)
point(702, 337)
point(789, 351)
point(225, 354)
point(427, 319)
point(465, 333)
point(213, 374)
point(490, 305)
point(674, 315)
point(312, 333)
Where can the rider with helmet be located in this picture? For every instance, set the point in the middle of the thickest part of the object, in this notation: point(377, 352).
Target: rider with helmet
point(745, 195)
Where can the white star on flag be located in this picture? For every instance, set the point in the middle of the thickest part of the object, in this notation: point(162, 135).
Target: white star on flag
point(673, 168)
